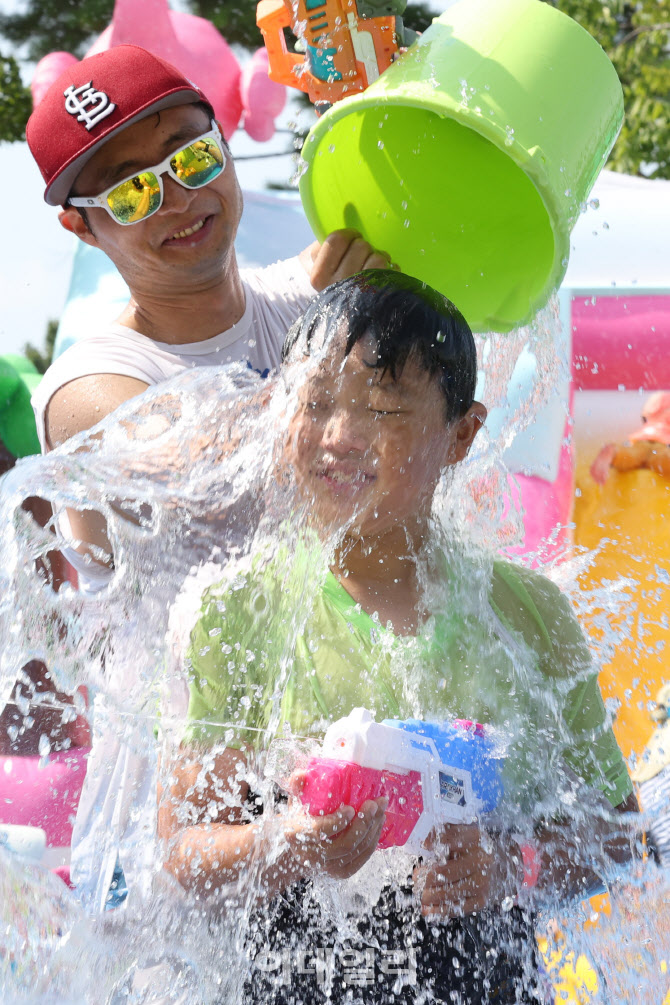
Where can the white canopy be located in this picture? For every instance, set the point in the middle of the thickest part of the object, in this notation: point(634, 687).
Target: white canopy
point(625, 241)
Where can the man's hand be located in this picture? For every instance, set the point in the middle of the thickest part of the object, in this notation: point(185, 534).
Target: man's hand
point(342, 254)
point(463, 877)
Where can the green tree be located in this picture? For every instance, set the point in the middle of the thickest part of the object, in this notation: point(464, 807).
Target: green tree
point(237, 21)
point(42, 358)
point(634, 33)
point(15, 101)
point(50, 25)
point(636, 37)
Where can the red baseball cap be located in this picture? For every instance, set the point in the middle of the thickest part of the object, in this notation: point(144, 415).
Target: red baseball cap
point(656, 415)
point(94, 99)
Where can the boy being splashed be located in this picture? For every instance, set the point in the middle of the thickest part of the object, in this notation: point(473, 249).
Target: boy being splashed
point(386, 408)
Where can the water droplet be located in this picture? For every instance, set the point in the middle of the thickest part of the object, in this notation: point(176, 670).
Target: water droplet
point(509, 136)
point(22, 702)
point(507, 904)
point(331, 148)
point(380, 144)
point(606, 226)
point(594, 203)
point(405, 223)
point(44, 745)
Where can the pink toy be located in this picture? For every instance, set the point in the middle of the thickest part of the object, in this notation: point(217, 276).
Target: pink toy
point(431, 774)
point(329, 784)
point(196, 48)
point(34, 794)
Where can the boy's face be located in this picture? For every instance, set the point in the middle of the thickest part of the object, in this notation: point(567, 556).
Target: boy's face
point(369, 451)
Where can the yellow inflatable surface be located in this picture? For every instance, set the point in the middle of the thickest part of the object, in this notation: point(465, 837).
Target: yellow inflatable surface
point(627, 522)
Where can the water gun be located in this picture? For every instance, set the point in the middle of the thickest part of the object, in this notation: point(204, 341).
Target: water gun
point(346, 43)
point(432, 774)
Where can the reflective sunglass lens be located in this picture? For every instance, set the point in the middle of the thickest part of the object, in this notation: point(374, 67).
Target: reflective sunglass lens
point(136, 198)
point(198, 163)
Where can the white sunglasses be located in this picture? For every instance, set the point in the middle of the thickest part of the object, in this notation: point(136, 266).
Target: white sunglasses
point(139, 196)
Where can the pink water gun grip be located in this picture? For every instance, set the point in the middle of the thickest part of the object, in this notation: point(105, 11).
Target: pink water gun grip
point(330, 783)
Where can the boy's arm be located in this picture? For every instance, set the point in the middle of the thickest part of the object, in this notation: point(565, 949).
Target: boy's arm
point(471, 873)
point(573, 855)
point(210, 843)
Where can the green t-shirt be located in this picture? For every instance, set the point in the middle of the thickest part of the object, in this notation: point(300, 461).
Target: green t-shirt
point(274, 648)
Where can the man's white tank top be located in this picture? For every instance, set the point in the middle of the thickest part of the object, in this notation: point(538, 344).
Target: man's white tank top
point(274, 298)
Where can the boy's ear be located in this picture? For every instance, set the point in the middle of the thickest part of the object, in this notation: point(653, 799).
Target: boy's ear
point(71, 220)
point(464, 431)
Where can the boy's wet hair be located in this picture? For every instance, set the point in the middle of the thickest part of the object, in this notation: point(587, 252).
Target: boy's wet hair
point(406, 318)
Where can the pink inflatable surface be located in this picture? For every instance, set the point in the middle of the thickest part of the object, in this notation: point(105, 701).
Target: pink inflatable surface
point(621, 342)
point(46, 795)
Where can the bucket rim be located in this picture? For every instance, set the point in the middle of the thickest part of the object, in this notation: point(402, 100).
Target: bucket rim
point(530, 162)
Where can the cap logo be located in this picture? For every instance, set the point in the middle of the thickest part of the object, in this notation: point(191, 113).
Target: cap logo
point(90, 106)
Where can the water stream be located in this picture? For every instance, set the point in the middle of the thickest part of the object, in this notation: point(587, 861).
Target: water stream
point(185, 478)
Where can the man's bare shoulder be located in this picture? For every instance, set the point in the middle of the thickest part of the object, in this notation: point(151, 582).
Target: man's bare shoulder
point(85, 401)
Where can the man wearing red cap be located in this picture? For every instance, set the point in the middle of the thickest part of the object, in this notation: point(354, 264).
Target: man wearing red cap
point(130, 149)
point(649, 445)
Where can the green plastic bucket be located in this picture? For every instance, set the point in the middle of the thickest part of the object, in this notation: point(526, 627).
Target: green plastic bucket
point(469, 159)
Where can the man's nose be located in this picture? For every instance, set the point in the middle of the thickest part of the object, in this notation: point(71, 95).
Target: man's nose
point(343, 433)
point(176, 196)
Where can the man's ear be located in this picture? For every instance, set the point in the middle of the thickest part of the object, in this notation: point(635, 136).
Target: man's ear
point(464, 431)
point(71, 220)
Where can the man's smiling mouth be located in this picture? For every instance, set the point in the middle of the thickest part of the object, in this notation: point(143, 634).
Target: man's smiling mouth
point(188, 231)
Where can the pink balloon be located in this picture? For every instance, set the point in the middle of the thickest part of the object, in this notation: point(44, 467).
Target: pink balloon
point(196, 48)
point(47, 70)
point(263, 99)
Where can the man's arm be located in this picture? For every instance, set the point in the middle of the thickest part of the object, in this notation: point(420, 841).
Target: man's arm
point(75, 407)
point(81, 403)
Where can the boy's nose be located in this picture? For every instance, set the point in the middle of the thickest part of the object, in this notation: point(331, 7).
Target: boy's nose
point(343, 435)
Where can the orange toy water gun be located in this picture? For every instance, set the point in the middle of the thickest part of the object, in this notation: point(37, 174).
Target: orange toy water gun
point(347, 43)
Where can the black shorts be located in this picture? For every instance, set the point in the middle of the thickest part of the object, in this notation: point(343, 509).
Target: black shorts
point(392, 956)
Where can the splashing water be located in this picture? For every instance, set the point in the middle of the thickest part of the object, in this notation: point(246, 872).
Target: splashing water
point(186, 478)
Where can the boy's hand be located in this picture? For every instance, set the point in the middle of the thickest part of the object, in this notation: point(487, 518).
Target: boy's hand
point(339, 843)
point(464, 878)
point(342, 254)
